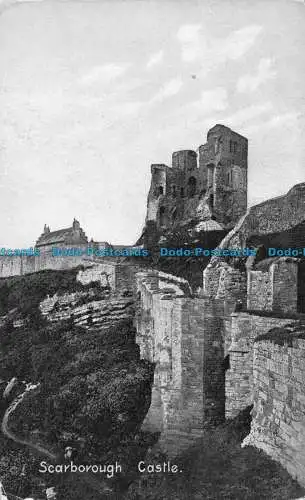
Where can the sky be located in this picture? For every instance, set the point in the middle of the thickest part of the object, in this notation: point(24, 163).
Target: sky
point(93, 92)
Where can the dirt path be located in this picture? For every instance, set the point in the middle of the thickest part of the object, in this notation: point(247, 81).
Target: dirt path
point(16, 439)
point(98, 486)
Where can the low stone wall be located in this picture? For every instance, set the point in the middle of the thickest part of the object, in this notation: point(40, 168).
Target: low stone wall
point(118, 277)
point(98, 273)
point(244, 329)
point(225, 282)
point(275, 288)
point(278, 423)
point(20, 265)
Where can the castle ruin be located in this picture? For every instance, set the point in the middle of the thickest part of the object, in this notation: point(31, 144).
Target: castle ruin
point(211, 185)
point(241, 340)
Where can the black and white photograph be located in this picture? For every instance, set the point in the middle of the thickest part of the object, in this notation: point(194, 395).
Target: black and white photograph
point(152, 250)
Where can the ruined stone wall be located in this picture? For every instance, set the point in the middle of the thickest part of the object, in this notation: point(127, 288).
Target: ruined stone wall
point(225, 282)
point(244, 328)
point(232, 284)
point(101, 273)
point(120, 275)
point(272, 216)
point(279, 213)
point(125, 277)
point(225, 285)
point(183, 337)
point(275, 288)
point(278, 424)
point(20, 265)
point(157, 191)
point(285, 285)
point(211, 277)
point(260, 291)
point(16, 266)
point(117, 276)
point(158, 325)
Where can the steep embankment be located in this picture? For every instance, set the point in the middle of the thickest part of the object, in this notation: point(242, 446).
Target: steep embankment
point(93, 392)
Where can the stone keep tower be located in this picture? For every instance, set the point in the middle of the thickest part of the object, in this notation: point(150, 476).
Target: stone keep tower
point(223, 168)
point(219, 182)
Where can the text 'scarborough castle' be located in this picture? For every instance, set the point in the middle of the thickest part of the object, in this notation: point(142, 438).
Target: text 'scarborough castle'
point(236, 342)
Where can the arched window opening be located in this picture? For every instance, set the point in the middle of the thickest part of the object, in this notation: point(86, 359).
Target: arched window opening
point(211, 201)
point(174, 193)
point(211, 168)
point(192, 186)
point(161, 190)
point(162, 216)
point(182, 192)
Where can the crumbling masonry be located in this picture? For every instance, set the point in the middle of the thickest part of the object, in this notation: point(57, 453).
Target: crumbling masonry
point(214, 188)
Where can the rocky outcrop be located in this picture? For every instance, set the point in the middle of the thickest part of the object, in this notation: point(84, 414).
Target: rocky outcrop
point(103, 313)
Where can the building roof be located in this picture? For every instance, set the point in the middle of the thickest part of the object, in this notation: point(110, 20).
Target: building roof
point(59, 236)
point(69, 235)
point(220, 126)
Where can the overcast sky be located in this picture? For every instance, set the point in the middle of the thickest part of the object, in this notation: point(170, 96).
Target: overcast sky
point(92, 93)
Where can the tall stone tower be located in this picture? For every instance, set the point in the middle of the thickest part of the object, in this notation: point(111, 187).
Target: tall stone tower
point(223, 168)
point(216, 188)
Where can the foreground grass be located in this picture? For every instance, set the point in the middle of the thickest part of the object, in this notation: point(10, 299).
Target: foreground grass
point(218, 468)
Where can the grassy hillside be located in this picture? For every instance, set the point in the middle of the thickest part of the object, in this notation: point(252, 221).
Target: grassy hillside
point(94, 393)
point(25, 292)
point(218, 469)
point(94, 390)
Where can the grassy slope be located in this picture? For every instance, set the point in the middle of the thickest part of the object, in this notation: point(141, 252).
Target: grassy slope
point(217, 468)
point(25, 292)
point(93, 384)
